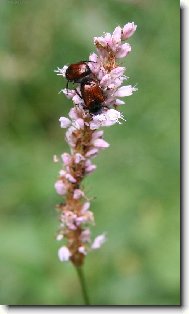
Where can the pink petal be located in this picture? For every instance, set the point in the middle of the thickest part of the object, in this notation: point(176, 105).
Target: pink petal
point(98, 241)
point(78, 158)
point(82, 250)
point(128, 30)
point(90, 168)
point(66, 158)
point(118, 71)
point(70, 178)
point(93, 57)
point(119, 102)
point(85, 235)
point(60, 187)
point(123, 51)
point(78, 194)
point(64, 254)
point(79, 123)
point(100, 40)
point(73, 114)
point(64, 122)
point(85, 207)
point(94, 125)
point(124, 91)
point(97, 134)
point(92, 152)
point(69, 93)
point(116, 36)
point(100, 143)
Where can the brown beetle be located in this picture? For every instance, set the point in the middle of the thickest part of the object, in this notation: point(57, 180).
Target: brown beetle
point(92, 95)
point(77, 71)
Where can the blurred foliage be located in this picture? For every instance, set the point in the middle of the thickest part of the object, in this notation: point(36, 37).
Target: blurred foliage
point(136, 184)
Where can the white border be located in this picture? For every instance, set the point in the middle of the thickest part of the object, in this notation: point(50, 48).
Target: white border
point(185, 212)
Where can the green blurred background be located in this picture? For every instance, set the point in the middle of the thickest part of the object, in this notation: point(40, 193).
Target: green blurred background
point(136, 184)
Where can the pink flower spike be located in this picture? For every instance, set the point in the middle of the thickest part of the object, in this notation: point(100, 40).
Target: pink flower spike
point(98, 242)
point(100, 143)
point(64, 122)
point(60, 187)
point(128, 30)
point(64, 254)
point(123, 51)
point(78, 194)
point(84, 136)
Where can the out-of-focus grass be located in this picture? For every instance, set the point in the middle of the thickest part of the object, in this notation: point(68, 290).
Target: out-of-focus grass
point(137, 181)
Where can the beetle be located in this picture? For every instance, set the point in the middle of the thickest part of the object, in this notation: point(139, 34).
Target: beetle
point(92, 95)
point(77, 71)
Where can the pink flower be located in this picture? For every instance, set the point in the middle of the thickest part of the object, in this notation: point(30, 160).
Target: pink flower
point(82, 250)
point(66, 158)
point(60, 187)
point(70, 178)
point(79, 158)
point(64, 254)
point(100, 143)
point(97, 134)
point(98, 241)
point(90, 168)
point(92, 152)
point(123, 51)
point(78, 194)
point(85, 235)
point(116, 36)
point(69, 93)
point(128, 30)
point(85, 207)
point(79, 123)
point(64, 122)
point(125, 91)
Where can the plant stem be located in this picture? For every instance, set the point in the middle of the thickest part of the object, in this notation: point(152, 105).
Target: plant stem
point(83, 285)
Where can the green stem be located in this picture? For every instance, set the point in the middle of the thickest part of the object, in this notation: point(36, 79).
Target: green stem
point(83, 285)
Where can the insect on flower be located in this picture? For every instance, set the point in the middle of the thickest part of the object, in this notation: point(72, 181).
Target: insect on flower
point(92, 95)
point(99, 88)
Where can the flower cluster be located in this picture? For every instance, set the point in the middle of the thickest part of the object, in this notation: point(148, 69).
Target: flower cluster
point(86, 140)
